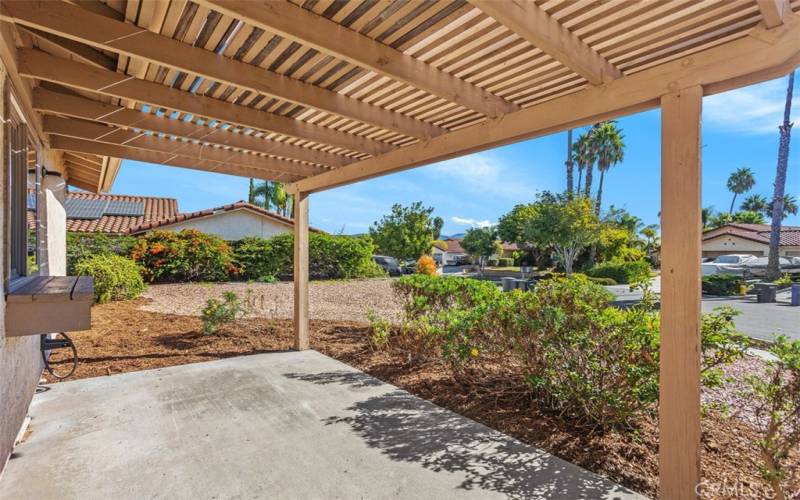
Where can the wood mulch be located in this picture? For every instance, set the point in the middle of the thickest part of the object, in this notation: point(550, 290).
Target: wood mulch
point(125, 338)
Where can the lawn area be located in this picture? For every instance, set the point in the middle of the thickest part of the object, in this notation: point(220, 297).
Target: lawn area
point(163, 329)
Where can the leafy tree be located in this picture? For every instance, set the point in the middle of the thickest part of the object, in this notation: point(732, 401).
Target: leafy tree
point(566, 226)
point(747, 217)
point(406, 233)
point(789, 206)
point(756, 203)
point(482, 243)
point(438, 224)
point(624, 219)
point(740, 182)
point(609, 149)
point(652, 241)
point(773, 265)
point(511, 226)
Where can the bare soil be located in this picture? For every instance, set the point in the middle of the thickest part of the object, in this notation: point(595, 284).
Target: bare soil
point(126, 336)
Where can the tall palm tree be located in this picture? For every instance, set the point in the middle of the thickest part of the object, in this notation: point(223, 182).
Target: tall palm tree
point(582, 153)
point(756, 203)
point(789, 206)
point(740, 182)
point(570, 165)
point(609, 149)
point(705, 216)
point(251, 194)
point(264, 193)
point(773, 264)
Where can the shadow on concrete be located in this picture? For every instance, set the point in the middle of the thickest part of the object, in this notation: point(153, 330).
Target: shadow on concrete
point(409, 429)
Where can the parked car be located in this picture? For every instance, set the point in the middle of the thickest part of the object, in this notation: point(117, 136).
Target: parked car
point(389, 264)
point(459, 260)
point(727, 264)
point(409, 266)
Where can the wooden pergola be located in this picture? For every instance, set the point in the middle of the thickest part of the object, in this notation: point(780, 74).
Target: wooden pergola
point(322, 93)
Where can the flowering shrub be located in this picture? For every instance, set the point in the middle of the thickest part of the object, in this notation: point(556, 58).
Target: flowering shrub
point(115, 277)
point(188, 255)
point(426, 265)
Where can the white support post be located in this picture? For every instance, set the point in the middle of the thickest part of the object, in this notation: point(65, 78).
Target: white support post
point(679, 412)
point(301, 271)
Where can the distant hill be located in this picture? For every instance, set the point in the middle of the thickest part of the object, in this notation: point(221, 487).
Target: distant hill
point(456, 236)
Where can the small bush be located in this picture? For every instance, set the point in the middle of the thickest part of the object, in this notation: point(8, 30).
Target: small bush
point(115, 277)
point(505, 262)
point(188, 255)
point(603, 281)
point(83, 245)
point(380, 327)
point(722, 284)
point(622, 272)
point(426, 265)
point(217, 313)
point(785, 280)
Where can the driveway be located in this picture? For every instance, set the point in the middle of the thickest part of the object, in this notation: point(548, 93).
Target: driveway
point(288, 425)
point(761, 321)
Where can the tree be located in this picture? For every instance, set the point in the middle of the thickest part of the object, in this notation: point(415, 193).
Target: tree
point(623, 219)
point(481, 242)
point(740, 182)
point(789, 206)
point(511, 226)
point(565, 226)
point(264, 194)
point(584, 158)
point(756, 203)
point(438, 224)
point(609, 149)
point(705, 216)
point(748, 217)
point(406, 233)
point(251, 194)
point(652, 240)
point(773, 264)
point(570, 164)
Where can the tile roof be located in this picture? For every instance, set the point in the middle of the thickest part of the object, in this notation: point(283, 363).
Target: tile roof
point(155, 209)
point(454, 246)
point(147, 226)
point(790, 235)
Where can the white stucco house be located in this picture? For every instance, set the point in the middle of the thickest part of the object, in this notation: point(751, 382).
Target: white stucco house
point(454, 251)
point(750, 239)
point(230, 222)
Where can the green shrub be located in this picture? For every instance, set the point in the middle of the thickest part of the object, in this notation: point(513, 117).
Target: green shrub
point(83, 245)
point(221, 312)
point(380, 327)
point(722, 284)
point(505, 262)
point(603, 281)
point(622, 272)
point(330, 257)
point(115, 277)
point(188, 255)
point(785, 280)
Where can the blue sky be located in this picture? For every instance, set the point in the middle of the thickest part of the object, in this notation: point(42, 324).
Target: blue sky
point(739, 130)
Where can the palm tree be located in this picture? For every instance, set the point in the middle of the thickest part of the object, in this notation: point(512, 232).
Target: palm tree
point(251, 193)
point(609, 149)
point(789, 206)
point(264, 194)
point(773, 264)
point(570, 165)
point(739, 182)
point(756, 203)
point(582, 153)
point(705, 217)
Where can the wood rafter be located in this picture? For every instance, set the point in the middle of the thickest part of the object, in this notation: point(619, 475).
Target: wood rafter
point(129, 153)
point(37, 64)
point(773, 11)
point(759, 57)
point(535, 25)
point(303, 26)
point(98, 132)
point(52, 102)
point(80, 25)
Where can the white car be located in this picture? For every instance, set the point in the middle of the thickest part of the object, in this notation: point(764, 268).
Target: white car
point(727, 264)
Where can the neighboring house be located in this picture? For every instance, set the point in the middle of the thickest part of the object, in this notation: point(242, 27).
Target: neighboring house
point(110, 214)
point(750, 239)
point(452, 254)
point(230, 222)
point(508, 250)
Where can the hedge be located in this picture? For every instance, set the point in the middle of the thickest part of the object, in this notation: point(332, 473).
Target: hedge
point(330, 257)
point(83, 245)
point(722, 284)
point(621, 272)
point(188, 255)
point(115, 277)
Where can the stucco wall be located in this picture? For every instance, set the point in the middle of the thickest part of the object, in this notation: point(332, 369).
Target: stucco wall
point(734, 244)
point(234, 225)
point(20, 361)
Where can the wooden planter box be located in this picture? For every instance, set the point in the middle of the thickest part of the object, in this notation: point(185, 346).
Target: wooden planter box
point(48, 304)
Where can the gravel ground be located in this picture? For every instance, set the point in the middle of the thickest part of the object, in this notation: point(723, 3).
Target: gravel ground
point(329, 300)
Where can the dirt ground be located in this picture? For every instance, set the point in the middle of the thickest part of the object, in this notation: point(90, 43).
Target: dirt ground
point(127, 337)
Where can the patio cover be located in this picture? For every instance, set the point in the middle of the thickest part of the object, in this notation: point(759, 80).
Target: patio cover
point(323, 93)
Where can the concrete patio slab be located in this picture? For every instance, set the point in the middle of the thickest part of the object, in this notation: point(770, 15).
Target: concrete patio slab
point(290, 425)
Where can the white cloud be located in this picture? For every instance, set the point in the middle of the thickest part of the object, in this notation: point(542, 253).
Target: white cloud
point(483, 174)
point(757, 109)
point(462, 221)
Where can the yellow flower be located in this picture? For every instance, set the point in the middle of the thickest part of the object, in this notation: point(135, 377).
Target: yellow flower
point(474, 352)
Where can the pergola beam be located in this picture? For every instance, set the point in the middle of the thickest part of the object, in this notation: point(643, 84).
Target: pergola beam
point(535, 25)
point(37, 64)
point(303, 26)
point(80, 25)
point(52, 102)
point(82, 52)
point(97, 132)
point(760, 57)
point(773, 11)
point(129, 153)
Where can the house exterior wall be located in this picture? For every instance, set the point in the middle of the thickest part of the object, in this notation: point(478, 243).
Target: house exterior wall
point(20, 360)
point(233, 225)
point(726, 243)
